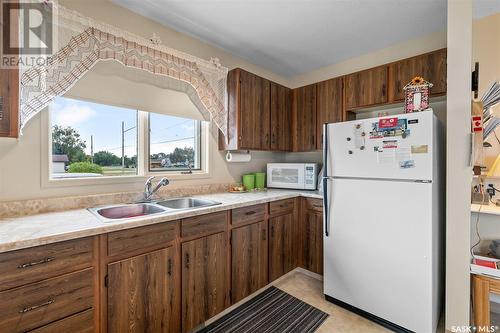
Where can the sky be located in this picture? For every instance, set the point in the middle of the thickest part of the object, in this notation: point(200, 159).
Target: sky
point(104, 123)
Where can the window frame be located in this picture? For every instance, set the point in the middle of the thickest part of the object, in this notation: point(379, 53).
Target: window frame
point(143, 171)
point(199, 125)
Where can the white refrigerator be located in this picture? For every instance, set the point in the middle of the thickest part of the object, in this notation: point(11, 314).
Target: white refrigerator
point(383, 225)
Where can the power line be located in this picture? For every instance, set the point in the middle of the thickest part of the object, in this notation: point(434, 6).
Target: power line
point(168, 141)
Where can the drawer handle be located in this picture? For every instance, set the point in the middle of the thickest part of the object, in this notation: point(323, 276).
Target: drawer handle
point(34, 307)
point(34, 263)
point(250, 212)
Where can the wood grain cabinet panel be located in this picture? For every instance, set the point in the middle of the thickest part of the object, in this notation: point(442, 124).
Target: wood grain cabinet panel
point(281, 207)
point(202, 225)
point(281, 118)
point(329, 105)
point(282, 258)
point(304, 108)
point(34, 305)
point(82, 322)
point(431, 66)
point(249, 260)
point(366, 88)
point(34, 264)
point(248, 112)
point(204, 282)
point(142, 294)
point(312, 242)
point(131, 240)
point(249, 214)
point(482, 288)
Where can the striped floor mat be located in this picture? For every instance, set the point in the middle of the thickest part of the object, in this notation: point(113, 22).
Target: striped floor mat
point(272, 311)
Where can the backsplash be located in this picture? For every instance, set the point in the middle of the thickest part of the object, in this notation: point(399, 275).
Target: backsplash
point(38, 206)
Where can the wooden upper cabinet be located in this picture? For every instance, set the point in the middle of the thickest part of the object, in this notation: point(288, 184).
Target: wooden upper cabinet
point(304, 108)
point(431, 66)
point(9, 103)
point(281, 118)
point(366, 88)
point(249, 112)
point(134, 285)
point(329, 97)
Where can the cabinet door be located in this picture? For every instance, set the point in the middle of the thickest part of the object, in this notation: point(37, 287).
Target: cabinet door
point(142, 294)
point(204, 288)
point(281, 118)
point(313, 241)
point(249, 260)
point(329, 103)
point(430, 66)
point(9, 102)
point(254, 110)
point(281, 256)
point(366, 88)
point(486, 301)
point(305, 118)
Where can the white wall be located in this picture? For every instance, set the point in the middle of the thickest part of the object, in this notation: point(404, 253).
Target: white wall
point(458, 171)
point(20, 160)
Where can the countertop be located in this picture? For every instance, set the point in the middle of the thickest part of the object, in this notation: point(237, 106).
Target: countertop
point(485, 209)
point(33, 230)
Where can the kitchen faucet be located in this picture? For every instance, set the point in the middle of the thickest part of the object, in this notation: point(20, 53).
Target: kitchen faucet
point(149, 191)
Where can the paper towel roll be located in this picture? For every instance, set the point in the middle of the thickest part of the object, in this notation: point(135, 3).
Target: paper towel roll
point(238, 157)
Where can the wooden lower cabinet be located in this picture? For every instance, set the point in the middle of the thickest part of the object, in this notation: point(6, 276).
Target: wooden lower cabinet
point(282, 258)
point(249, 265)
point(141, 294)
point(204, 285)
point(486, 301)
point(312, 233)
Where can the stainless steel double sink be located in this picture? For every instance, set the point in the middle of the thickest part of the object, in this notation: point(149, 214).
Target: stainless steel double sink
point(128, 211)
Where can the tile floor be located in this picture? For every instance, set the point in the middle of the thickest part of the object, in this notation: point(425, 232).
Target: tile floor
point(310, 290)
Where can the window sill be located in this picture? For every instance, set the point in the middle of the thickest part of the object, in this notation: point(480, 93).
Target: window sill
point(67, 182)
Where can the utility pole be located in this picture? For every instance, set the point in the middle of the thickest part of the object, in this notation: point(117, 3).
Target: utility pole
point(92, 148)
point(123, 142)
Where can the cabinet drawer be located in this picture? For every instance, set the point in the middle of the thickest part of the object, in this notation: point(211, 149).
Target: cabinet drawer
point(314, 204)
point(131, 240)
point(82, 322)
point(281, 207)
point(37, 304)
point(244, 215)
point(21, 267)
point(204, 224)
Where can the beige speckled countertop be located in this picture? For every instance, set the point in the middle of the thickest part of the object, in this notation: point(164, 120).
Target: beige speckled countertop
point(28, 231)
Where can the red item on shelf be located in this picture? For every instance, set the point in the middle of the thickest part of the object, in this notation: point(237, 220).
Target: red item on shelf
point(485, 263)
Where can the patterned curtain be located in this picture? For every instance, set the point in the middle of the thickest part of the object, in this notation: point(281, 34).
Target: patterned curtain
point(85, 42)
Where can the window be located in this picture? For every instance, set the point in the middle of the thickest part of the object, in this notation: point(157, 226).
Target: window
point(92, 140)
point(174, 143)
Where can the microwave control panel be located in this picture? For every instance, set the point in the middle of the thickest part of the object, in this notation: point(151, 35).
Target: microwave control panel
point(309, 179)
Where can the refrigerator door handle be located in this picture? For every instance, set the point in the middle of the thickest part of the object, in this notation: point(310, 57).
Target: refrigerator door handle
point(326, 215)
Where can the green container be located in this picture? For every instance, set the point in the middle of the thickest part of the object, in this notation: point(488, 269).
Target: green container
point(249, 182)
point(260, 180)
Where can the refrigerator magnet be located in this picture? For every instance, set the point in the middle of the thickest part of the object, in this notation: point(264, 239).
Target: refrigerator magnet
point(407, 164)
point(420, 149)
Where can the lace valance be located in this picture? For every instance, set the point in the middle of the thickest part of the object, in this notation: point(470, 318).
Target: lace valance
point(84, 42)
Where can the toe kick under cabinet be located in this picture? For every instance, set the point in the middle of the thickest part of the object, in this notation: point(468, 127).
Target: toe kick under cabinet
point(165, 277)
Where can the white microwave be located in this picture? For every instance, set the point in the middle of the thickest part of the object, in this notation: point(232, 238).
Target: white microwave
point(300, 176)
